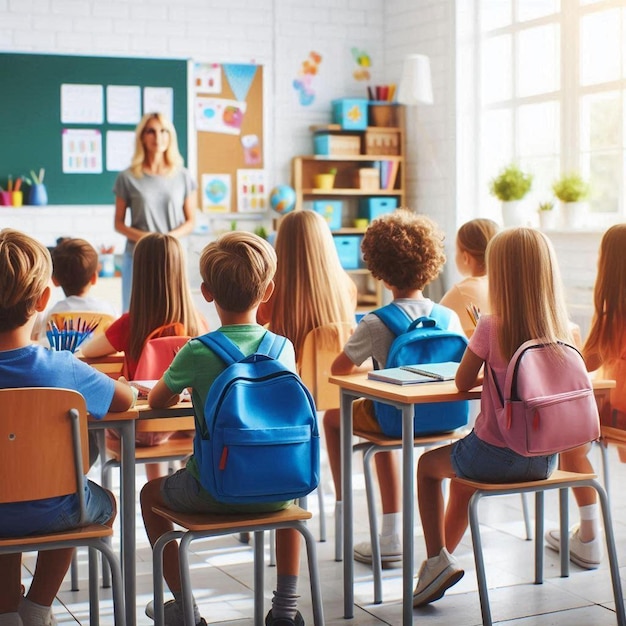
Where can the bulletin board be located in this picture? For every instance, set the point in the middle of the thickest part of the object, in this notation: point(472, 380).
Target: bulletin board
point(228, 117)
point(33, 135)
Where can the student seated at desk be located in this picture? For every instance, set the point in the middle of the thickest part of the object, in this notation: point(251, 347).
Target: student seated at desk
point(237, 272)
point(25, 269)
point(160, 297)
point(75, 270)
point(405, 251)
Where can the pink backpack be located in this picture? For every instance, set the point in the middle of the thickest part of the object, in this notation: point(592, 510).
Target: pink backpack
point(548, 404)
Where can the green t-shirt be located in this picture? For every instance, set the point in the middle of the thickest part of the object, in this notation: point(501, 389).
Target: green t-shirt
point(196, 366)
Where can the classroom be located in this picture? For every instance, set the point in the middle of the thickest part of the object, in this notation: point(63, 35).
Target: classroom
point(537, 83)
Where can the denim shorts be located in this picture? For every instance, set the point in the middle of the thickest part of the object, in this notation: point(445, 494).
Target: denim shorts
point(182, 492)
point(475, 459)
point(98, 510)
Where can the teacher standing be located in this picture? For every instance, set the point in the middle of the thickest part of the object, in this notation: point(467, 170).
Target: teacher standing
point(157, 188)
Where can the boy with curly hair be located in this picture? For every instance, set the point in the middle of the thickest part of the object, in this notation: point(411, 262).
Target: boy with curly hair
point(406, 252)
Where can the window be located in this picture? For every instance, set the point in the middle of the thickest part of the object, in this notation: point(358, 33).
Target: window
point(549, 92)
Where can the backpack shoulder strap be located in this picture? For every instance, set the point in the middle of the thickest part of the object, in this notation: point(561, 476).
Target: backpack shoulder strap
point(271, 345)
point(396, 319)
point(222, 346)
point(441, 315)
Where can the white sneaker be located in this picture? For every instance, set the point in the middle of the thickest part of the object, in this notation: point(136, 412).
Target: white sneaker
point(585, 554)
point(436, 575)
point(34, 614)
point(390, 550)
point(173, 613)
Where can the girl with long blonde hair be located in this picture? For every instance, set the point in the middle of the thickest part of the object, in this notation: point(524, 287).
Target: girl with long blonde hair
point(526, 303)
point(312, 289)
point(604, 349)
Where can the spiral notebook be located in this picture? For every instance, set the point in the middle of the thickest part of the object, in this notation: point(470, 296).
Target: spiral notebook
point(414, 374)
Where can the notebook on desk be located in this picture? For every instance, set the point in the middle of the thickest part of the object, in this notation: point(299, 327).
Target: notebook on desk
point(413, 374)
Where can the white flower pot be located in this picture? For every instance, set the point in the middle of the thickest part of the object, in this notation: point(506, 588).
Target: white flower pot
point(514, 214)
point(548, 220)
point(574, 214)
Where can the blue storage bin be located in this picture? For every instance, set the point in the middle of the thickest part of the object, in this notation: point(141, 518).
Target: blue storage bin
point(350, 113)
point(348, 249)
point(374, 207)
point(330, 210)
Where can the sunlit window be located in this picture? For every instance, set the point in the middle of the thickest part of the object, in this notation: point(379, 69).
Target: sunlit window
point(550, 94)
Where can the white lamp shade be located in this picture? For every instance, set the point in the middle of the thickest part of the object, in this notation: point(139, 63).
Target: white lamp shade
point(415, 84)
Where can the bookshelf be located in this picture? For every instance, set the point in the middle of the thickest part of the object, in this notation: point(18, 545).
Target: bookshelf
point(370, 178)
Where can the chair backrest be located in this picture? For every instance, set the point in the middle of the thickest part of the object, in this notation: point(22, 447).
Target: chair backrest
point(103, 320)
point(320, 348)
point(43, 443)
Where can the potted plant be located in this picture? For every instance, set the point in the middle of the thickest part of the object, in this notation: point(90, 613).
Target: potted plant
point(510, 186)
point(572, 190)
point(325, 180)
point(547, 215)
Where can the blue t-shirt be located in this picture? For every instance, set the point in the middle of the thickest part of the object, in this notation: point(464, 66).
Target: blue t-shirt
point(35, 366)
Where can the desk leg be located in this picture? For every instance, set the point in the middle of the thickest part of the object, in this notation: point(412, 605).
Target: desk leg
point(128, 515)
point(408, 517)
point(348, 514)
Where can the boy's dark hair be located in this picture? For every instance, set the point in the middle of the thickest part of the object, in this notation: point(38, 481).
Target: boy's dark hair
point(74, 262)
point(403, 249)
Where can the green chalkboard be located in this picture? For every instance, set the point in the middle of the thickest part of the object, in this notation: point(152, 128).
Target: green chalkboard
point(30, 115)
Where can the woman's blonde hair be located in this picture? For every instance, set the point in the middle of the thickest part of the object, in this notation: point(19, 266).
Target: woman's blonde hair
point(172, 156)
point(473, 238)
point(311, 287)
point(25, 270)
point(525, 289)
point(160, 292)
point(609, 297)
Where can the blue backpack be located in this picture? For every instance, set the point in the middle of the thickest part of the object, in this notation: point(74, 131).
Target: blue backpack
point(424, 340)
point(263, 441)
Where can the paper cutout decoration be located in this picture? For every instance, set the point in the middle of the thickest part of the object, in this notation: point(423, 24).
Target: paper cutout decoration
point(304, 83)
point(251, 150)
point(363, 61)
point(239, 77)
point(216, 189)
point(207, 78)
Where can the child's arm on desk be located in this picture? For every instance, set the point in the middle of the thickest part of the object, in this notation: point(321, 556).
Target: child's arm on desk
point(123, 396)
point(160, 396)
point(97, 346)
point(468, 374)
point(342, 366)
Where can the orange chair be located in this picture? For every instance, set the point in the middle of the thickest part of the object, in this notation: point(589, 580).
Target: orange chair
point(32, 469)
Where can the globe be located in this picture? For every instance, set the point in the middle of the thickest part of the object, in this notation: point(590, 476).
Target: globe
point(283, 199)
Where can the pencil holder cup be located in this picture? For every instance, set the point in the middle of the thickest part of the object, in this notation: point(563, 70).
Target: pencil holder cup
point(38, 195)
point(5, 198)
point(17, 198)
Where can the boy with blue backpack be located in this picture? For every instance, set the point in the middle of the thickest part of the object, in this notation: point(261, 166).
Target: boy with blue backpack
point(406, 252)
point(237, 271)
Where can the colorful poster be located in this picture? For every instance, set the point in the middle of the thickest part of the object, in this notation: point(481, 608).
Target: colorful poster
point(251, 150)
point(251, 191)
point(82, 151)
point(219, 115)
point(207, 78)
point(216, 194)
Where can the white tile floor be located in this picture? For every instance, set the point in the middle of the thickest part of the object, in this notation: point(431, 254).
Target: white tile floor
point(223, 574)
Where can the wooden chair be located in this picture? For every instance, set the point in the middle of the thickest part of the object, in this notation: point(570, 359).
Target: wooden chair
point(558, 480)
point(320, 348)
point(199, 526)
point(32, 469)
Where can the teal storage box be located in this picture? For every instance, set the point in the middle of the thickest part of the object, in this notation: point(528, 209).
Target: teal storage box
point(371, 208)
point(349, 250)
point(331, 211)
point(350, 113)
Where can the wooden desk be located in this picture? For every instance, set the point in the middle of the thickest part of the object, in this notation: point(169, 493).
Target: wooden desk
point(402, 397)
point(124, 424)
